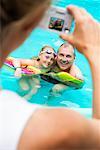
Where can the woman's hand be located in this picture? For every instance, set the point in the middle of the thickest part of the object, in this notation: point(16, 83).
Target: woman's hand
point(86, 36)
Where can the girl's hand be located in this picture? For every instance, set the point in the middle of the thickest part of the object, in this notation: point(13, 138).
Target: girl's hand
point(18, 73)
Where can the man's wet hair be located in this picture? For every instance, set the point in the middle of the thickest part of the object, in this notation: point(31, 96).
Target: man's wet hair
point(67, 44)
point(13, 10)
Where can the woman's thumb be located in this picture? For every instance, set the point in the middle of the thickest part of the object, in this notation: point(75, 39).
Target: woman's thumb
point(67, 37)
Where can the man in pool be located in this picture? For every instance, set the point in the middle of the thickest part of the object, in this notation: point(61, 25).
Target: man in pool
point(31, 127)
point(44, 61)
point(65, 63)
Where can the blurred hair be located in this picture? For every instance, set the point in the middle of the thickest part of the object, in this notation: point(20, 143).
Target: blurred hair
point(13, 10)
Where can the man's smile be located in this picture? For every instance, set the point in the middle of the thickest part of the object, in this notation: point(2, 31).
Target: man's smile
point(64, 62)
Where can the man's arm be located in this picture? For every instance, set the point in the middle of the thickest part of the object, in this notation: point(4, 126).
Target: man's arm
point(76, 72)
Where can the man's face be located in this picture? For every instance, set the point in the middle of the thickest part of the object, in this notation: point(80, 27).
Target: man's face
point(65, 57)
point(47, 57)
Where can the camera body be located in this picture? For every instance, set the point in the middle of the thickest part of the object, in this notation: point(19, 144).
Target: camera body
point(56, 19)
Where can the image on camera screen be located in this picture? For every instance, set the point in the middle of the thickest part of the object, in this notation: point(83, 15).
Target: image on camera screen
point(56, 23)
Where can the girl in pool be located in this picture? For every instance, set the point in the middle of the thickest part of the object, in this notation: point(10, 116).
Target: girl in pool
point(44, 61)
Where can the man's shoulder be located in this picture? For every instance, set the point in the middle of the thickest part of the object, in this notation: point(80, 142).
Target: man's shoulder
point(74, 68)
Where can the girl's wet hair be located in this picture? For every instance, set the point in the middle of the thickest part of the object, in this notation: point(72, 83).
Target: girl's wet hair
point(38, 59)
point(48, 47)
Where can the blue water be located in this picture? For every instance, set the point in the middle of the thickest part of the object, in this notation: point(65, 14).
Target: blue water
point(76, 99)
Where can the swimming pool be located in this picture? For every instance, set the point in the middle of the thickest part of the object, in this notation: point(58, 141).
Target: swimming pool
point(80, 99)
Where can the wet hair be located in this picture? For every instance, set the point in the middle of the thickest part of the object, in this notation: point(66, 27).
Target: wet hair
point(67, 44)
point(48, 47)
point(13, 10)
point(38, 59)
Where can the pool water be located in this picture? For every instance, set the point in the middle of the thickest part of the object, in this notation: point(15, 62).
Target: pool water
point(80, 99)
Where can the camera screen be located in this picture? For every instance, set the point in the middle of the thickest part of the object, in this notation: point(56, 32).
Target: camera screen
point(56, 23)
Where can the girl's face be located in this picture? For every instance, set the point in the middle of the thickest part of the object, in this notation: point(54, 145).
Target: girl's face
point(47, 57)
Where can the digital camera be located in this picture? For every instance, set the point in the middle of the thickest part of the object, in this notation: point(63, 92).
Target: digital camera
point(56, 19)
